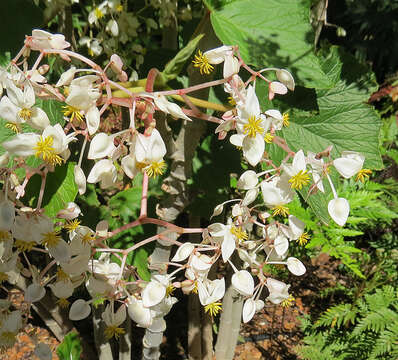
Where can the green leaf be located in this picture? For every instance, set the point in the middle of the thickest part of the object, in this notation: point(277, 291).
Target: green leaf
point(70, 348)
point(60, 189)
point(175, 65)
point(274, 33)
point(53, 109)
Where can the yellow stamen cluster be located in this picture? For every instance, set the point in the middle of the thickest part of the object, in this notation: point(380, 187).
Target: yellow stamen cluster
point(45, 151)
point(13, 127)
point(98, 13)
point(303, 239)
point(169, 290)
point(25, 113)
point(363, 175)
point(280, 210)
point(155, 168)
point(88, 238)
point(51, 239)
point(63, 303)
point(213, 309)
point(119, 8)
point(113, 331)
point(288, 302)
point(252, 128)
point(3, 277)
point(231, 101)
point(239, 233)
point(299, 180)
point(4, 235)
point(72, 225)
point(24, 245)
point(268, 138)
point(286, 119)
point(195, 287)
point(200, 61)
point(73, 113)
point(62, 275)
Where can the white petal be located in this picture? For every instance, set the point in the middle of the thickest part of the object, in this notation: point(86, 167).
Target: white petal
point(249, 309)
point(286, 78)
point(101, 146)
point(128, 165)
point(120, 315)
point(60, 252)
point(243, 282)
point(296, 227)
point(250, 196)
point(253, 149)
point(339, 210)
point(80, 179)
point(79, 310)
point(278, 88)
point(22, 144)
point(153, 294)
point(34, 292)
point(348, 167)
point(247, 180)
point(9, 111)
point(295, 266)
point(281, 245)
point(237, 139)
point(39, 119)
point(138, 313)
point(228, 246)
point(93, 119)
point(299, 161)
point(99, 169)
point(183, 252)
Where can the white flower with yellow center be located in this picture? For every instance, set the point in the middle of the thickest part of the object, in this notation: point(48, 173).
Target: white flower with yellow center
point(17, 108)
point(41, 40)
point(113, 320)
point(103, 172)
point(149, 151)
point(251, 127)
point(297, 171)
point(276, 194)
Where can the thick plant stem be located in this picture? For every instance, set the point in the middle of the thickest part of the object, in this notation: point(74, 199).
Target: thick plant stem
point(102, 345)
point(194, 308)
point(229, 323)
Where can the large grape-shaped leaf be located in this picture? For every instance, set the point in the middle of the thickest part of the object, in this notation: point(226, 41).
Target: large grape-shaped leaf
point(273, 33)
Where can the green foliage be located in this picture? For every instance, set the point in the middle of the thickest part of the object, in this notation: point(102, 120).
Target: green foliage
point(366, 329)
point(70, 348)
point(60, 189)
point(368, 209)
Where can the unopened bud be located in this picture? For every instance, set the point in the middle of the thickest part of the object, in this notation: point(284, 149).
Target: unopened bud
point(43, 69)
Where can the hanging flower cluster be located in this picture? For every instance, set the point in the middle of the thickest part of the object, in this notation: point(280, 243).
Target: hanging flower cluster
point(139, 148)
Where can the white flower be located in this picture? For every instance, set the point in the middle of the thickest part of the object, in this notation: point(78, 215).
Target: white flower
point(277, 191)
point(349, 164)
point(79, 310)
point(41, 40)
point(34, 292)
point(104, 172)
point(183, 252)
point(112, 27)
point(210, 290)
point(296, 227)
point(101, 146)
point(276, 87)
point(71, 211)
point(317, 170)
point(295, 266)
point(275, 118)
point(281, 244)
point(243, 282)
point(80, 179)
point(18, 107)
point(278, 291)
point(139, 313)
point(169, 108)
point(249, 309)
point(339, 209)
point(248, 180)
point(114, 319)
point(66, 77)
point(62, 289)
point(155, 291)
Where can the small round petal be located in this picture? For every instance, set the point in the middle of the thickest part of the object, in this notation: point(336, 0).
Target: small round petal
point(295, 266)
point(39, 119)
point(339, 210)
point(79, 310)
point(296, 227)
point(243, 282)
point(228, 246)
point(349, 164)
point(93, 119)
point(278, 88)
point(217, 210)
point(286, 78)
point(112, 27)
point(183, 252)
point(281, 245)
point(259, 305)
point(250, 196)
point(66, 77)
point(217, 55)
point(231, 66)
point(247, 180)
point(153, 294)
point(34, 292)
point(80, 179)
point(101, 146)
point(249, 309)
